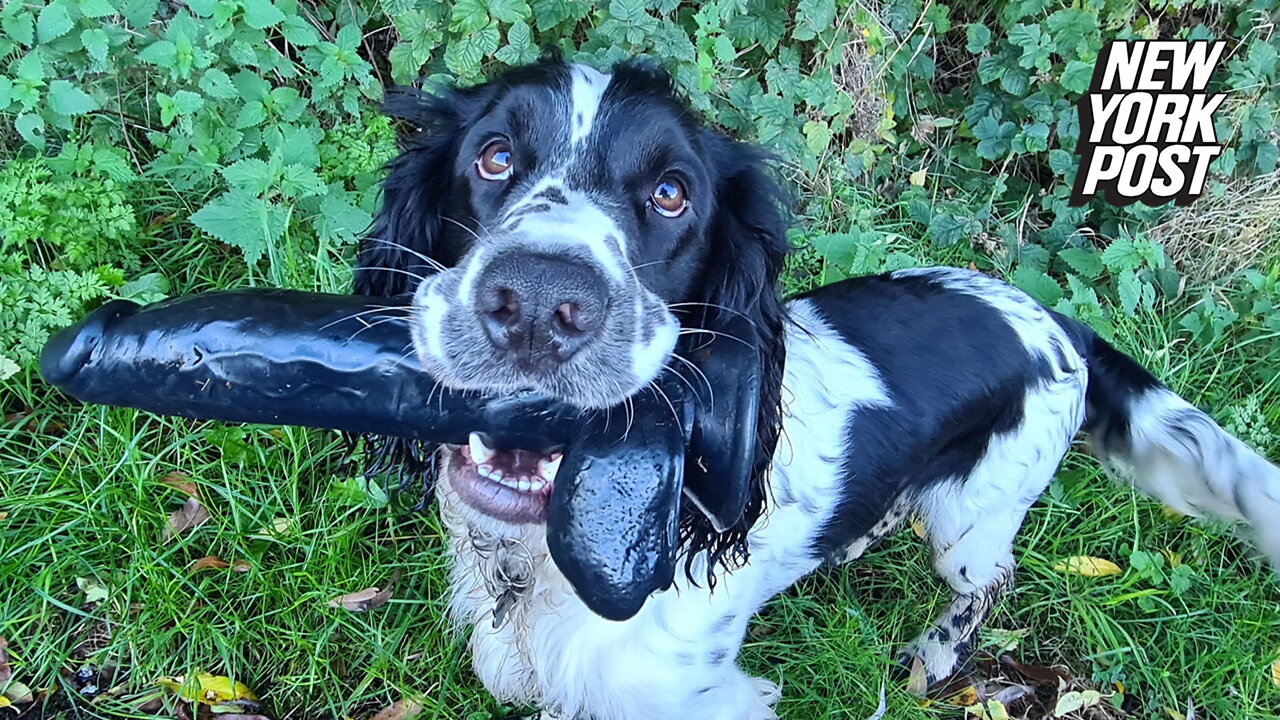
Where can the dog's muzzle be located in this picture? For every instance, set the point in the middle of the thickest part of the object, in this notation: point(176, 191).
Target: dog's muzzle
point(539, 310)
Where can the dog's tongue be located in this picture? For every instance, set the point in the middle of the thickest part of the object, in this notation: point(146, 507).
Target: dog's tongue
point(613, 516)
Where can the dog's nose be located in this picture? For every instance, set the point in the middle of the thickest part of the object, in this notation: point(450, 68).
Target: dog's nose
point(540, 309)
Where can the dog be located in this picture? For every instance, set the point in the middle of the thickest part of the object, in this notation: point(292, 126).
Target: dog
point(561, 228)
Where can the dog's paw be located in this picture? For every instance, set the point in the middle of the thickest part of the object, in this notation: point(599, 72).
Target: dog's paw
point(926, 664)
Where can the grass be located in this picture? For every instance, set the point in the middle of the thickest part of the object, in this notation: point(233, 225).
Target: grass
point(84, 503)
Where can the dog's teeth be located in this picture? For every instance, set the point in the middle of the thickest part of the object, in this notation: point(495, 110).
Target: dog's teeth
point(548, 468)
point(524, 484)
point(488, 471)
point(480, 453)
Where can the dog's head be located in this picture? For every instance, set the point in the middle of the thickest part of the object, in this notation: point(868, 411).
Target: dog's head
point(560, 229)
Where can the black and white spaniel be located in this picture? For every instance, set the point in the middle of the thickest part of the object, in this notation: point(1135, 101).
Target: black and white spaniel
point(560, 228)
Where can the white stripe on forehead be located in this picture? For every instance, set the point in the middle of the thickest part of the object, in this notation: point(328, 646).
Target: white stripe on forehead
point(587, 90)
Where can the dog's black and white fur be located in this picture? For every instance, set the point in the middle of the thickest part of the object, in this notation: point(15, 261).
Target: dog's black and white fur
point(561, 227)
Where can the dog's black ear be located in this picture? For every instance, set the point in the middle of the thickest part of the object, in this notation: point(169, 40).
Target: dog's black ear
point(742, 311)
point(415, 193)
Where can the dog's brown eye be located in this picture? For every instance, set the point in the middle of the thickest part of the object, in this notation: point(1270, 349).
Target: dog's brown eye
point(494, 162)
point(668, 198)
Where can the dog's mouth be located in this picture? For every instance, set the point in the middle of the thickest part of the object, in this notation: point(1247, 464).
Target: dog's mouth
point(509, 485)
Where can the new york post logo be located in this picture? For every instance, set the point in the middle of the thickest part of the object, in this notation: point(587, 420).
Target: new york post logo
point(1146, 124)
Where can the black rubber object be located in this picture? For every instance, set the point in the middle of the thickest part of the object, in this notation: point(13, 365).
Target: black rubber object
point(344, 362)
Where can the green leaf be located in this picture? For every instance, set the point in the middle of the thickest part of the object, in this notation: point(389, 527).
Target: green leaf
point(948, 228)
point(31, 69)
point(6, 92)
point(187, 102)
point(1036, 46)
point(1129, 288)
point(114, 163)
point(813, 17)
point(138, 12)
point(766, 25)
point(261, 14)
point(1037, 284)
point(520, 48)
point(469, 16)
point(1082, 261)
point(817, 136)
point(67, 99)
point(628, 22)
point(8, 368)
point(19, 26)
point(298, 31)
point(995, 138)
point(1033, 138)
point(300, 182)
point(1076, 77)
point(149, 288)
point(508, 11)
point(550, 13)
point(464, 54)
point(243, 220)
point(251, 115)
point(31, 127)
point(54, 22)
point(161, 52)
point(216, 83)
point(1121, 255)
point(250, 175)
point(339, 221)
point(977, 38)
point(96, 8)
point(95, 42)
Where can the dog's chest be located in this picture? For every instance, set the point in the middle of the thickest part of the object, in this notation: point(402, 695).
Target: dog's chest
point(531, 637)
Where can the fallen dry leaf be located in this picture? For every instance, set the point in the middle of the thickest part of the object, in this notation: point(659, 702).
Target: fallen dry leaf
point(6, 672)
point(1049, 677)
point(1012, 694)
point(918, 681)
point(1275, 666)
point(17, 693)
point(207, 689)
point(94, 591)
point(209, 562)
point(191, 515)
point(990, 710)
point(366, 599)
point(917, 527)
point(362, 600)
point(180, 482)
point(917, 177)
point(968, 695)
point(4, 515)
point(279, 527)
point(1088, 566)
point(398, 710)
point(1075, 700)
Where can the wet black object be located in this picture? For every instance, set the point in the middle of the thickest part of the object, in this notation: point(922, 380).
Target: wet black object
point(285, 357)
point(616, 541)
point(344, 362)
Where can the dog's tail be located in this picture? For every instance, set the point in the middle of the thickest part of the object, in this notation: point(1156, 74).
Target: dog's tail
point(1145, 434)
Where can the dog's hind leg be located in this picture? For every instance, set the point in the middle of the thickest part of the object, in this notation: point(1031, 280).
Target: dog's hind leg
point(971, 522)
